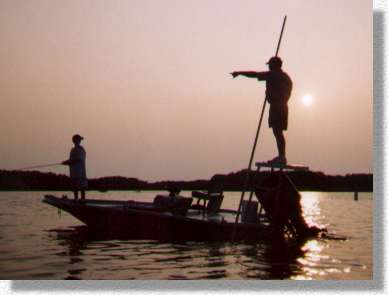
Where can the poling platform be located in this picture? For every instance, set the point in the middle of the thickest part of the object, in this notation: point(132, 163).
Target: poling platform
point(280, 200)
point(293, 167)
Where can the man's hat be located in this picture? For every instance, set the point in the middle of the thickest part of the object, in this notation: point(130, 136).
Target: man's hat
point(77, 137)
point(276, 61)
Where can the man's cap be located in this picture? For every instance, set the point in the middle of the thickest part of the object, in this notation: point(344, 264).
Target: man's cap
point(276, 61)
point(77, 137)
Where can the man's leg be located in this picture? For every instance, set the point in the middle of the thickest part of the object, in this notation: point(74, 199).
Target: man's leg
point(83, 194)
point(280, 142)
point(75, 194)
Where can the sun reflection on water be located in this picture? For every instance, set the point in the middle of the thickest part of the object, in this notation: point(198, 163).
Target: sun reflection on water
point(311, 209)
point(311, 260)
point(313, 249)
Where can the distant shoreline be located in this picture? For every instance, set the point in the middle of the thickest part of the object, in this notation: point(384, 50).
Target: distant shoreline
point(303, 180)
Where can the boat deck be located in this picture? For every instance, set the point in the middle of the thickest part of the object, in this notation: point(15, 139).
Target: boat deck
point(224, 215)
point(217, 217)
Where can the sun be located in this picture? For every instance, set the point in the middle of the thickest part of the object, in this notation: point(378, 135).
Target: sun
point(307, 100)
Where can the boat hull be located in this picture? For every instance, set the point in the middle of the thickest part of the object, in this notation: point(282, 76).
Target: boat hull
point(142, 221)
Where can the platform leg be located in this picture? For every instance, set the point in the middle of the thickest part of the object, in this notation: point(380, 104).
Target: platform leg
point(251, 194)
point(276, 225)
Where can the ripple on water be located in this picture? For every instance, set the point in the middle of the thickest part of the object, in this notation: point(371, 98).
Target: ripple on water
point(37, 243)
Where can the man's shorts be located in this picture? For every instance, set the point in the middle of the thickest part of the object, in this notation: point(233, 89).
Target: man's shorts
point(278, 117)
point(79, 184)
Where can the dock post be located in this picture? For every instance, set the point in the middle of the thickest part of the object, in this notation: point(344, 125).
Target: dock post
point(356, 195)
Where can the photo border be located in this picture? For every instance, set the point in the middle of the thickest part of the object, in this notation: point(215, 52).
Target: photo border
point(246, 286)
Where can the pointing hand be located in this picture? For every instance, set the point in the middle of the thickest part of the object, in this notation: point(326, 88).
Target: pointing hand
point(234, 74)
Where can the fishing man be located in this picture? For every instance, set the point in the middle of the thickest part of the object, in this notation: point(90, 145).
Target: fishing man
point(77, 167)
point(278, 92)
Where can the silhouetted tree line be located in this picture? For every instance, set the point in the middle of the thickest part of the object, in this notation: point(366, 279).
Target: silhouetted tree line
point(303, 180)
point(116, 183)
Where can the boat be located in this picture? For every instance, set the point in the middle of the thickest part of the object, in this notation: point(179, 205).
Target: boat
point(174, 218)
point(141, 220)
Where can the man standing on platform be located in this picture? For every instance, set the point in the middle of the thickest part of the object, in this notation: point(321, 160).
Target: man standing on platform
point(77, 167)
point(278, 92)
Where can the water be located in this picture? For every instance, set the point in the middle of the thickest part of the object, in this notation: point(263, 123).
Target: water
point(38, 242)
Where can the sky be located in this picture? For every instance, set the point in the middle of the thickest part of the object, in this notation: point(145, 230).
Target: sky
point(147, 83)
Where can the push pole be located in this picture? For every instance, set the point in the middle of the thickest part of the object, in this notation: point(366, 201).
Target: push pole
point(249, 170)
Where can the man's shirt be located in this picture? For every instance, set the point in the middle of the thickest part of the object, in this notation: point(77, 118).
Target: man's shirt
point(278, 86)
point(78, 169)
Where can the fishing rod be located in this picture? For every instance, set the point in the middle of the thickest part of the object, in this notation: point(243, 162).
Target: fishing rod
point(40, 166)
point(249, 170)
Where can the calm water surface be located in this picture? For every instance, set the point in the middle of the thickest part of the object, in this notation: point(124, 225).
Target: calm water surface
point(39, 242)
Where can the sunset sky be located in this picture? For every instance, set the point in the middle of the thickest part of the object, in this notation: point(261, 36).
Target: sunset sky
point(147, 83)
